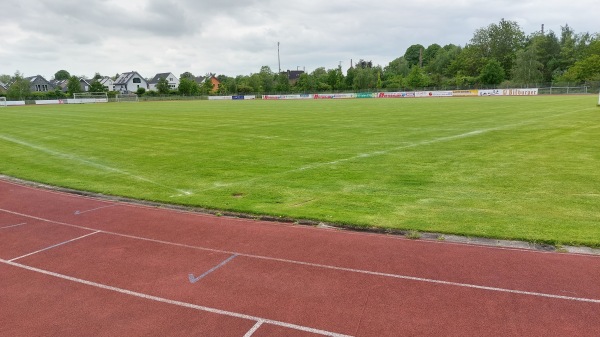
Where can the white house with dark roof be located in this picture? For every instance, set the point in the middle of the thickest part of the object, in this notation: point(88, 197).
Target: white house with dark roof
point(172, 79)
point(3, 87)
point(108, 83)
point(130, 82)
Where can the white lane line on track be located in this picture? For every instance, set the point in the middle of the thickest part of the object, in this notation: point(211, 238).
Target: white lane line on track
point(174, 302)
point(13, 226)
point(54, 246)
point(254, 329)
point(316, 265)
point(94, 209)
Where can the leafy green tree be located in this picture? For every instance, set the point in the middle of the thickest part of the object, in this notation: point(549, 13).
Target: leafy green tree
point(587, 69)
point(282, 83)
point(5, 78)
point(96, 86)
point(188, 87)
point(97, 77)
point(548, 49)
point(416, 78)
point(430, 53)
point(267, 79)
point(19, 89)
point(492, 73)
point(163, 86)
point(62, 75)
point(74, 85)
point(527, 68)
point(413, 54)
point(335, 78)
point(140, 91)
point(499, 41)
point(187, 75)
point(467, 63)
point(396, 67)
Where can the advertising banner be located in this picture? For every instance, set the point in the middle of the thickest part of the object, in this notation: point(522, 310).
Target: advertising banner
point(220, 98)
point(334, 96)
point(365, 95)
point(493, 92)
point(396, 95)
point(433, 94)
point(520, 92)
point(47, 102)
point(464, 93)
point(286, 97)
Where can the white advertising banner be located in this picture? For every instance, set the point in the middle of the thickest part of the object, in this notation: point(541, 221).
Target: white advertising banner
point(286, 97)
point(520, 92)
point(334, 96)
point(220, 98)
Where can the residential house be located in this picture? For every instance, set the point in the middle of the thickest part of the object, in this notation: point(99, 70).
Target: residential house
point(3, 88)
point(63, 85)
point(216, 84)
point(108, 83)
point(294, 75)
point(39, 84)
point(60, 85)
point(130, 82)
point(85, 84)
point(172, 79)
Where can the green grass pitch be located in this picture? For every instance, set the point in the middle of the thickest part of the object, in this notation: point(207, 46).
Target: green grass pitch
point(500, 167)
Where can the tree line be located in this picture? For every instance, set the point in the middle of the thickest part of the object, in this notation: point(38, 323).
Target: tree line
point(500, 54)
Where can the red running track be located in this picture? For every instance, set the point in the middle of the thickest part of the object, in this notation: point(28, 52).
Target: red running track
point(80, 266)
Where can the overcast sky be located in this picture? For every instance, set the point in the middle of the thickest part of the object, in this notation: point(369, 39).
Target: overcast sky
point(238, 37)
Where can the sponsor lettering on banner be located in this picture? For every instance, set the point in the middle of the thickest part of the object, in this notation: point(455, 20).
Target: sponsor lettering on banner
point(334, 96)
point(460, 93)
point(396, 94)
point(520, 92)
point(433, 94)
point(286, 97)
point(365, 95)
point(492, 92)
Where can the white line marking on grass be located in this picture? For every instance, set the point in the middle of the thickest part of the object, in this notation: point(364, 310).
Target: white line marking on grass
point(94, 209)
point(12, 226)
point(90, 163)
point(174, 302)
point(316, 265)
point(254, 329)
point(54, 246)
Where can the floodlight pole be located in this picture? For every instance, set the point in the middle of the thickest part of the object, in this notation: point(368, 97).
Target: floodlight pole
point(278, 58)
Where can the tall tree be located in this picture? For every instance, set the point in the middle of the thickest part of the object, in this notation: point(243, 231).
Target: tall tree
point(499, 41)
point(62, 75)
point(96, 86)
point(188, 87)
point(163, 86)
point(19, 89)
point(74, 85)
point(527, 68)
point(413, 54)
point(187, 75)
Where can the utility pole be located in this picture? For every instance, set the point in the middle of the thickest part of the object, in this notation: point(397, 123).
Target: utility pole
point(278, 58)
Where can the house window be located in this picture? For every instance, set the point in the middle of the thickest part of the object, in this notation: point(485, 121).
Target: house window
point(137, 80)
